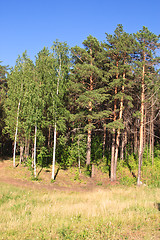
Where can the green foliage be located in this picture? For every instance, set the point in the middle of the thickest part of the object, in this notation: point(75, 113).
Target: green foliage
point(118, 124)
point(103, 165)
point(77, 177)
point(151, 171)
point(157, 162)
point(157, 156)
point(33, 178)
point(128, 180)
point(151, 176)
point(71, 155)
point(100, 82)
point(132, 162)
point(43, 158)
point(88, 170)
point(96, 148)
point(29, 163)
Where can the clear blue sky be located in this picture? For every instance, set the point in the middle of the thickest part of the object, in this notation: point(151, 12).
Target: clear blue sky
point(32, 24)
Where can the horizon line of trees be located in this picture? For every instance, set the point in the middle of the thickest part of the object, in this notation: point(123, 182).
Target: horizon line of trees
point(80, 106)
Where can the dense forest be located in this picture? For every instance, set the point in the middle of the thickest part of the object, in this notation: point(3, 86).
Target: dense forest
point(95, 105)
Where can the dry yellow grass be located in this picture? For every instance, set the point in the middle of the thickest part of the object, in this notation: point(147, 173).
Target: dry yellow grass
point(118, 213)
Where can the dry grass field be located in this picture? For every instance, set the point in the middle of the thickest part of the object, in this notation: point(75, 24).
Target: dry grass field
point(113, 212)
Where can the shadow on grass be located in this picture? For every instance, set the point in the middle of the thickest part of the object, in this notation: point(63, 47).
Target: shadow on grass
point(4, 158)
point(48, 171)
point(56, 173)
point(157, 205)
point(39, 172)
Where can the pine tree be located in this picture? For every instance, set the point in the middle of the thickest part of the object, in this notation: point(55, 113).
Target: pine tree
point(148, 43)
point(119, 48)
point(88, 79)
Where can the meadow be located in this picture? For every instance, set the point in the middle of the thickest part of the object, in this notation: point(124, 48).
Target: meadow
point(116, 212)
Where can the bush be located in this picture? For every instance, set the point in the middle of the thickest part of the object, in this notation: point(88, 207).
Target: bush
point(151, 176)
point(128, 180)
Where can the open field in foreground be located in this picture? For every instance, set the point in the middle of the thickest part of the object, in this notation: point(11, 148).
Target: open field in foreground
point(114, 213)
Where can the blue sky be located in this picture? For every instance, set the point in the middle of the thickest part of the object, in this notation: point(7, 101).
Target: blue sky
point(32, 24)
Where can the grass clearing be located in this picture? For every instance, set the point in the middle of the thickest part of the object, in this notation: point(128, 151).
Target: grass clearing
point(115, 213)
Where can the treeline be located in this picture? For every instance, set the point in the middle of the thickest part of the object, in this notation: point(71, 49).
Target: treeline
point(82, 106)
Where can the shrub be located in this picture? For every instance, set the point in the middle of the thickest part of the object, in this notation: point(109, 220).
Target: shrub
point(128, 180)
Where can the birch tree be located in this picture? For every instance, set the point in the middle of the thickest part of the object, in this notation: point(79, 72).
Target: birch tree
point(19, 105)
point(61, 66)
point(15, 83)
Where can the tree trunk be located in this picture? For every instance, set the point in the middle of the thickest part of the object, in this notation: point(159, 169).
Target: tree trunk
point(25, 150)
point(141, 138)
point(49, 136)
point(116, 153)
point(93, 171)
point(150, 138)
point(113, 167)
point(21, 153)
point(125, 142)
point(88, 160)
point(104, 140)
point(27, 146)
point(54, 152)
point(89, 139)
point(55, 130)
point(118, 133)
point(152, 131)
point(15, 139)
point(79, 159)
point(112, 155)
point(113, 140)
point(122, 148)
point(135, 139)
point(35, 139)
point(144, 124)
point(32, 155)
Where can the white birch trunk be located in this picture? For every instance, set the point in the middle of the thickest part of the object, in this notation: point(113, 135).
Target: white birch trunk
point(35, 139)
point(54, 152)
point(15, 140)
point(55, 132)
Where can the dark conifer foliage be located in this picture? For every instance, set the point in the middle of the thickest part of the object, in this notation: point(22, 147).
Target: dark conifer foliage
point(89, 81)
